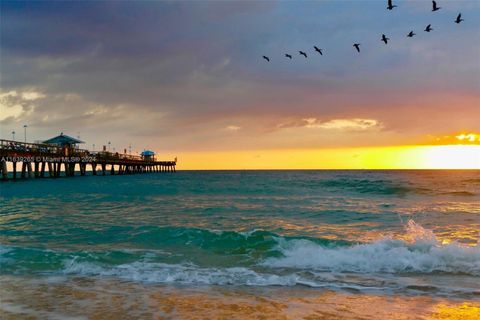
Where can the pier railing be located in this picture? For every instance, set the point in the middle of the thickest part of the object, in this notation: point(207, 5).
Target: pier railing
point(52, 150)
point(25, 147)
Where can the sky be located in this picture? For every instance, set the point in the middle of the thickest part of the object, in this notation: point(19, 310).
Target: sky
point(187, 79)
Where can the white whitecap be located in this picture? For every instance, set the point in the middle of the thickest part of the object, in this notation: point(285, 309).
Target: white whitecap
point(382, 256)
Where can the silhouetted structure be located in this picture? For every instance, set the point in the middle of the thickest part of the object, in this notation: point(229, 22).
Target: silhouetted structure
point(67, 143)
point(148, 155)
point(61, 152)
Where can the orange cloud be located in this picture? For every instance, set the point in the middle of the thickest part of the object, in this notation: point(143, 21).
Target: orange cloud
point(469, 137)
point(344, 124)
point(459, 138)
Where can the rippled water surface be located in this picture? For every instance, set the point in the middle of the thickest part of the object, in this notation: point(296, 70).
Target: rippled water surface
point(241, 244)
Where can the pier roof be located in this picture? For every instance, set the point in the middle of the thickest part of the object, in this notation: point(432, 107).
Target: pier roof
point(147, 153)
point(63, 139)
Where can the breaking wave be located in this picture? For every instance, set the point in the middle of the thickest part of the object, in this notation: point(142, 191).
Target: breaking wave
point(420, 252)
point(384, 256)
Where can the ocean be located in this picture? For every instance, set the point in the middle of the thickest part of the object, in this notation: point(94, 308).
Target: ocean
point(242, 245)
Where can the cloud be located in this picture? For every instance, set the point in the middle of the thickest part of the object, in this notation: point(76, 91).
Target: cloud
point(468, 137)
point(15, 104)
point(32, 95)
point(11, 111)
point(233, 128)
point(171, 73)
point(25, 95)
point(454, 138)
point(354, 124)
point(345, 124)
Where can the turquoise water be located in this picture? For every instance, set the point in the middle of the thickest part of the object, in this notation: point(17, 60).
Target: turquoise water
point(361, 232)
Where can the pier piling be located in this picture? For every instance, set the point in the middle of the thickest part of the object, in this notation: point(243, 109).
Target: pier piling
point(4, 170)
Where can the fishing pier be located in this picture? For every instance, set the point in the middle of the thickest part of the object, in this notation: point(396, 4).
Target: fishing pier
point(60, 157)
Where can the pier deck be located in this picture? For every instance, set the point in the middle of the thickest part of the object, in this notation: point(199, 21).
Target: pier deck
point(45, 160)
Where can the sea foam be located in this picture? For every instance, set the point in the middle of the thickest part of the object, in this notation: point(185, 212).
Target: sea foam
point(184, 274)
point(420, 252)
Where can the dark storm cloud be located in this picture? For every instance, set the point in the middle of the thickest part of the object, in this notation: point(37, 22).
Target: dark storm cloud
point(121, 52)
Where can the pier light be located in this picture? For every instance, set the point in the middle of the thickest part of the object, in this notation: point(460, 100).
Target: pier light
point(109, 143)
point(13, 135)
point(25, 132)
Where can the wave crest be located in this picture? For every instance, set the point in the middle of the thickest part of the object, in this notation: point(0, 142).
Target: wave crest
point(420, 253)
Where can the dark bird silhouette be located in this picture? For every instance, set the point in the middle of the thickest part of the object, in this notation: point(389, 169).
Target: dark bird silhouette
point(318, 50)
point(303, 53)
point(266, 58)
point(357, 46)
point(288, 56)
point(390, 5)
point(434, 6)
point(459, 18)
point(411, 34)
point(385, 39)
point(429, 28)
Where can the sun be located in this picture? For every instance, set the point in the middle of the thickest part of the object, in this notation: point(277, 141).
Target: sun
point(451, 157)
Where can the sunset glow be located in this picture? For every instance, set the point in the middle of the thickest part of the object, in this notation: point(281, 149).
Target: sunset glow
point(399, 157)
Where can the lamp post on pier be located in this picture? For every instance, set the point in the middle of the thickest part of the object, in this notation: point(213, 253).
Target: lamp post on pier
point(25, 132)
point(13, 135)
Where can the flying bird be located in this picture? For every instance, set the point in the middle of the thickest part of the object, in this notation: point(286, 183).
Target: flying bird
point(288, 55)
point(390, 5)
point(434, 6)
point(385, 39)
point(318, 50)
point(429, 28)
point(303, 53)
point(266, 58)
point(459, 18)
point(411, 34)
point(357, 46)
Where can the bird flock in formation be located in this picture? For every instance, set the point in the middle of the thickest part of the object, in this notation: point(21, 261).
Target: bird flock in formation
point(384, 38)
